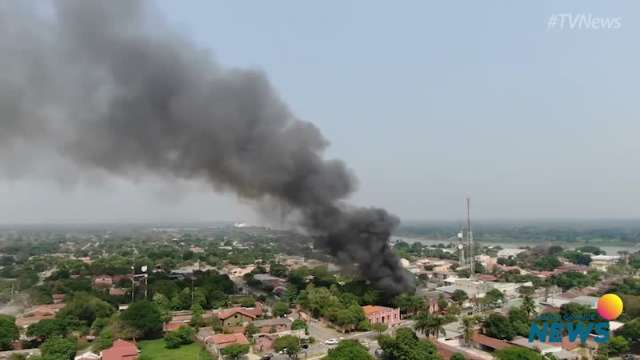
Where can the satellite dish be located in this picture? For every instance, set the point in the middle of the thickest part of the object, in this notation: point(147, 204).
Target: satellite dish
point(144, 268)
point(460, 246)
point(460, 235)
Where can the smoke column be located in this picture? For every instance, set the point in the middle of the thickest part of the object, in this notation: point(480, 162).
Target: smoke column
point(108, 86)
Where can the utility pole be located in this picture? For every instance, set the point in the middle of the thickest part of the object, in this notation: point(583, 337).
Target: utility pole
point(133, 284)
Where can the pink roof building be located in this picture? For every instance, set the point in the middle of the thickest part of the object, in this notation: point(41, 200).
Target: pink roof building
point(381, 315)
point(121, 350)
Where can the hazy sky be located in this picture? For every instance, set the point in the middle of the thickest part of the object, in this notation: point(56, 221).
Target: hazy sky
point(426, 101)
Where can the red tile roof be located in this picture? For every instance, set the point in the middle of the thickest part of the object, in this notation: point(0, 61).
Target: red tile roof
point(374, 309)
point(447, 351)
point(173, 326)
point(493, 343)
point(225, 314)
point(121, 350)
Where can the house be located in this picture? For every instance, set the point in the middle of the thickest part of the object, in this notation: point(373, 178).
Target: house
point(183, 318)
point(273, 325)
point(197, 249)
point(40, 312)
point(559, 351)
point(381, 315)
point(19, 354)
point(487, 261)
point(121, 350)
point(238, 272)
point(87, 356)
point(117, 291)
point(102, 281)
point(487, 277)
point(58, 298)
point(509, 253)
point(264, 342)
point(485, 342)
point(221, 341)
point(602, 262)
point(239, 317)
point(268, 280)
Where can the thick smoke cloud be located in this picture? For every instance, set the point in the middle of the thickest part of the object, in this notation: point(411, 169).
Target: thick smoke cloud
point(108, 86)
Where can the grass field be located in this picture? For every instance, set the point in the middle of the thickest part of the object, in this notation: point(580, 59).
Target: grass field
point(154, 349)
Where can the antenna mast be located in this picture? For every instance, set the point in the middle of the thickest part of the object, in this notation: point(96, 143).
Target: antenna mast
point(470, 256)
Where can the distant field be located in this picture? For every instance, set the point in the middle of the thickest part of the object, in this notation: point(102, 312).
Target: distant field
point(596, 232)
point(154, 349)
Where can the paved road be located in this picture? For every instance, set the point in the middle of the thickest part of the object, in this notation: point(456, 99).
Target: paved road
point(321, 333)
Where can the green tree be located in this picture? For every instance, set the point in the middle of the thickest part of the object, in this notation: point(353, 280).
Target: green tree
point(8, 331)
point(517, 353)
point(379, 328)
point(457, 356)
point(547, 263)
point(493, 298)
point(177, 338)
point(298, 324)
point(196, 318)
point(406, 345)
point(104, 340)
point(631, 330)
point(519, 321)
point(468, 329)
point(528, 306)
point(145, 317)
point(278, 270)
point(577, 257)
point(58, 348)
point(591, 250)
point(573, 279)
point(289, 344)
point(459, 297)
point(47, 328)
point(280, 309)
point(348, 350)
point(499, 327)
point(409, 304)
point(617, 345)
point(84, 309)
point(442, 303)
point(235, 351)
point(251, 330)
point(430, 325)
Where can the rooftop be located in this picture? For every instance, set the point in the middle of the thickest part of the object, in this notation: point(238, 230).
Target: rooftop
point(374, 309)
point(224, 340)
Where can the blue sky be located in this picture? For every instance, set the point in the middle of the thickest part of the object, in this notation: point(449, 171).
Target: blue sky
point(429, 101)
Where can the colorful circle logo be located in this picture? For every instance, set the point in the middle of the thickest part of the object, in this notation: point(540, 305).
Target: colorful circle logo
point(610, 306)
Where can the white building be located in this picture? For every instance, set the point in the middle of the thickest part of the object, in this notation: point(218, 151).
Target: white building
point(509, 253)
point(602, 262)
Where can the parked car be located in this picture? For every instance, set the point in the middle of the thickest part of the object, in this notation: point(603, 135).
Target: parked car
point(332, 341)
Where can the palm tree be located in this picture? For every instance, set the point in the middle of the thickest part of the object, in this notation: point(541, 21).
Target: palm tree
point(422, 323)
point(529, 306)
point(430, 325)
point(468, 327)
point(436, 326)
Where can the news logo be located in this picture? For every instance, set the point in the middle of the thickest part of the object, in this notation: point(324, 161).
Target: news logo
point(547, 328)
point(609, 306)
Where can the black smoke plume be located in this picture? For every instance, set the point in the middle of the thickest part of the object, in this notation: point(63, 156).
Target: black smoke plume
point(107, 85)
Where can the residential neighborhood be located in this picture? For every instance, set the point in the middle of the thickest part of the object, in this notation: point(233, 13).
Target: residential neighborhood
point(249, 294)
